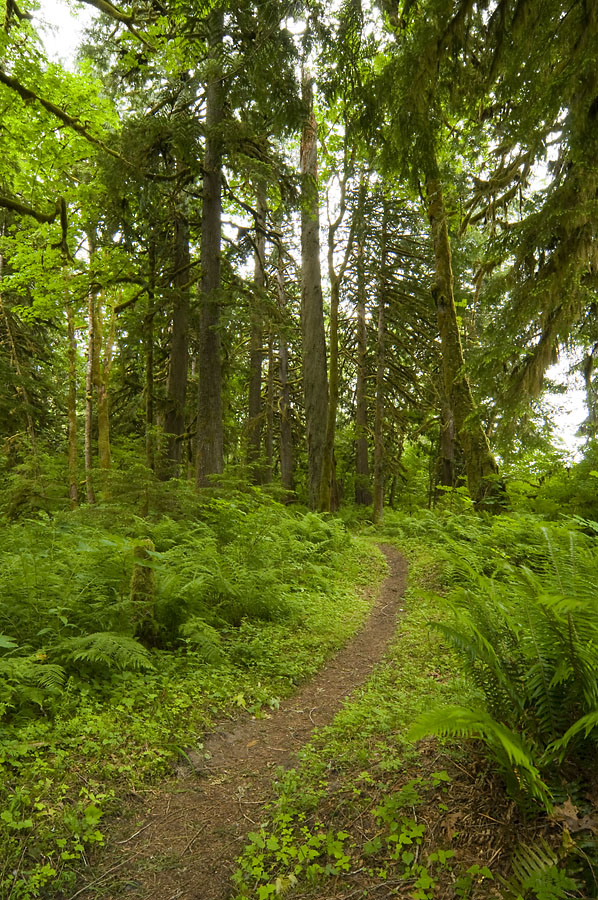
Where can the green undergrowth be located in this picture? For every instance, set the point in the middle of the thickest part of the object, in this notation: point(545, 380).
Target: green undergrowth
point(124, 637)
point(349, 815)
point(498, 645)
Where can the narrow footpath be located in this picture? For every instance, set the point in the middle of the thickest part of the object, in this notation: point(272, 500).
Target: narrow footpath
point(195, 827)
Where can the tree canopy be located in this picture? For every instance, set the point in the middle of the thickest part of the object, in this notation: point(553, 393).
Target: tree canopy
point(154, 205)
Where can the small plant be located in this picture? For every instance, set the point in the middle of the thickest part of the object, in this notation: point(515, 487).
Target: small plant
point(537, 875)
point(529, 640)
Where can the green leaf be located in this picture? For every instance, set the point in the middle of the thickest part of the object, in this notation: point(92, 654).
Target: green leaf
point(7, 643)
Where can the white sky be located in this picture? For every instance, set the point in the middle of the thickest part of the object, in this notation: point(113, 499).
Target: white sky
point(63, 28)
point(570, 408)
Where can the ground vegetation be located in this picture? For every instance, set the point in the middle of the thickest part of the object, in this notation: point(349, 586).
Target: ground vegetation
point(278, 282)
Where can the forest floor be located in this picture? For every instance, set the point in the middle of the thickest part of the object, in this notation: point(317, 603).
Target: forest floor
point(180, 841)
point(328, 776)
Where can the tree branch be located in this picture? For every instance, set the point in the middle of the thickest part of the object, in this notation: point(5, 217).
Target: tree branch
point(23, 210)
point(127, 19)
point(27, 95)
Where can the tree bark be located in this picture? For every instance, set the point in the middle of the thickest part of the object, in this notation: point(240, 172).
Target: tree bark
point(102, 368)
point(363, 494)
point(21, 389)
point(448, 475)
point(176, 386)
point(91, 363)
point(378, 499)
point(315, 381)
point(148, 336)
point(72, 407)
point(256, 344)
point(286, 434)
point(269, 436)
point(481, 468)
point(210, 441)
point(328, 489)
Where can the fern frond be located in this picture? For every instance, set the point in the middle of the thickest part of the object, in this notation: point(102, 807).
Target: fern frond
point(204, 639)
point(585, 724)
point(469, 640)
point(106, 649)
point(509, 749)
point(7, 643)
point(536, 871)
point(29, 670)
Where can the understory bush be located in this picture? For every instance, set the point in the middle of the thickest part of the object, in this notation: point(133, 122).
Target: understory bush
point(70, 603)
point(122, 636)
point(523, 599)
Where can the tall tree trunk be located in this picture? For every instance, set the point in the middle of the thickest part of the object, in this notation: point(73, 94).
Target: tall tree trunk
point(482, 471)
point(148, 337)
point(448, 475)
point(176, 386)
point(72, 407)
point(269, 436)
point(392, 494)
point(328, 488)
point(256, 343)
point(210, 442)
point(378, 500)
point(363, 494)
point(91, 363)
point(103, 365)
point(315, 381)
point(21, 389)
point(286, 434)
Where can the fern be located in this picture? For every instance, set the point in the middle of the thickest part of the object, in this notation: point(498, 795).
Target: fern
point(105, 649)
point(586, 725)
point(7, 643)
point(509, 749)
point(204, 640)
point(536, 873)
point(26, 680)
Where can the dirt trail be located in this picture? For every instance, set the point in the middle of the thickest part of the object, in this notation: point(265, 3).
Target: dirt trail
point(196, 827)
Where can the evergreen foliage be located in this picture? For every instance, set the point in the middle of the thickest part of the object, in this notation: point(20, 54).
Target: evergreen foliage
point(527, 630)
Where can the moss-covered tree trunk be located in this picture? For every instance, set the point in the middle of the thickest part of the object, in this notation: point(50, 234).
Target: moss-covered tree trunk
point(256, 343)
point(91, 362)
point(481, 467)
point(178, 361)
point(286, 433)
point(148, 340)
point(378, 498)
point(102, 368)
point(14, 358)
point(72, 408)
point(447, 473)
point(315, 380)
point(269, 418)
point(363, 493)
point(210, 436)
